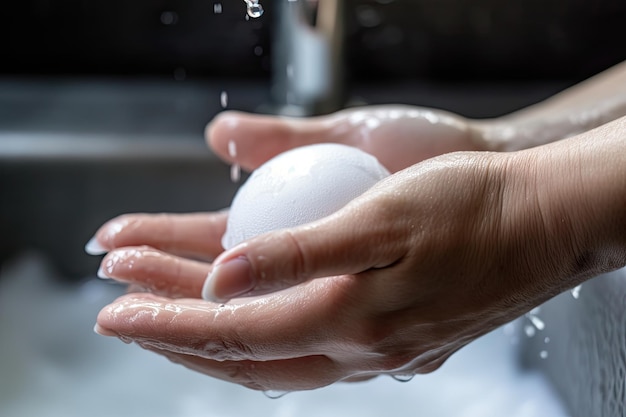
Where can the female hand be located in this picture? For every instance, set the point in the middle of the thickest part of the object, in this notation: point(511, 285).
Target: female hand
point(394, 283)
point(411, 278)
point(399, 136)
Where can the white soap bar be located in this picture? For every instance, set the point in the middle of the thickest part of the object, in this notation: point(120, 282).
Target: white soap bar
point(300, 186)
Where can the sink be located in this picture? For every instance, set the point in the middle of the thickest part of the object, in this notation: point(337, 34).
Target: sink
point(52, 364)
point(587, 346)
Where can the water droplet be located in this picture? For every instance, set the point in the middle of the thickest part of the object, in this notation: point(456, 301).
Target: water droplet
point(529, 330)
point(235, 172)
point(275, 394)
point(537, 322)
point(576, 291)
point(217, 8)
point(254, 9)
point(232, 149)
point(258, 50)
point(126, 339)
point(224, 99)
point(169, 18)
point(403, 378)
point(368, 16)
point(543, 354)
point(546, 340)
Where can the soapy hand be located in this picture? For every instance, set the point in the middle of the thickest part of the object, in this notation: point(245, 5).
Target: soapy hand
point(413, 273)
point(154, 251)
point(398, 136)
point(394, 283)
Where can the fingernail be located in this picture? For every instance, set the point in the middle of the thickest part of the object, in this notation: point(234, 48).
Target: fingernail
point(102, 273)
point(102, 331)
point(229, 280)
point(93, 247)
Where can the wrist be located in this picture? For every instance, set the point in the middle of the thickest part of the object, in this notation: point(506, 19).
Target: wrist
point(574, 192)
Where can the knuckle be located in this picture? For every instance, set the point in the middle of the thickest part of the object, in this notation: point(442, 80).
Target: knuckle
point(293, 270)
point(299, 265)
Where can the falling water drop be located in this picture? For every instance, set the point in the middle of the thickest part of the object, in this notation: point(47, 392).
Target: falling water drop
point(275, 394)
point(576, 291)
point(543, 354)
point(235, 169)
point(529, 330)
point(537, 322)
point(224, 99)
point(403, 378)
point(235, 172)
point(254, 8)
point(217, 8)
point(169, 18)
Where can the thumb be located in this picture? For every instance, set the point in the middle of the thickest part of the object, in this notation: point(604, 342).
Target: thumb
point(350, 241)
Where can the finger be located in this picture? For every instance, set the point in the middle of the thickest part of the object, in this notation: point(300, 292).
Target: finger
point(159, 272)
point(284, 326)
point(297, 374)
point(361, 236)
point(195, 234)
point(251, 139)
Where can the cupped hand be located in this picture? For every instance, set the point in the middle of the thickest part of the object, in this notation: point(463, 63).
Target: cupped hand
point(399, 136)
point(394, 283)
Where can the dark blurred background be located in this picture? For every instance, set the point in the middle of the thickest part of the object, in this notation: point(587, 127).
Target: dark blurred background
point(432, 39)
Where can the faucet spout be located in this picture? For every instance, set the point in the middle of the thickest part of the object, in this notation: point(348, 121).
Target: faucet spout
point(307, 64)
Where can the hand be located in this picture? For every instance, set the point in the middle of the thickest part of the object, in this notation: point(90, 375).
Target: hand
point(399, 136)
point(416, 268)
point(394, 283)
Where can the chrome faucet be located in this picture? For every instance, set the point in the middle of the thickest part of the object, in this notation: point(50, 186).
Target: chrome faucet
point(307, 61)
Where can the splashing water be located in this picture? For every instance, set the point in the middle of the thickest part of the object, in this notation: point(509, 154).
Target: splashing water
point(254, 8)
point(576, 291)
point(403, 378)
point(275, 394)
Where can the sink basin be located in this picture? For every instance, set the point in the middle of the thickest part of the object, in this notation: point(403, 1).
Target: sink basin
point(52, 364)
